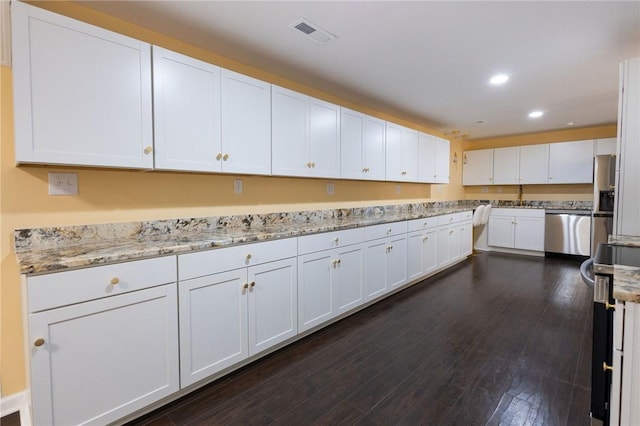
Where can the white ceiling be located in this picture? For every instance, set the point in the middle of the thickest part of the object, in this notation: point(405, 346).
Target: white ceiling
point(427, 62)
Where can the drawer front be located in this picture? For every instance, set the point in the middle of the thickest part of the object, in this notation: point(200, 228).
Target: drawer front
point(374, 232)
point(64, 288)
point(329, 240)
point(466, 215)
point(447, 219)
point(193, 265)
point(419, 224)
point(517, 212)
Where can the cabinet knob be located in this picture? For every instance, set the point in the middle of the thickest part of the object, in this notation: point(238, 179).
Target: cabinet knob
point(309, 165)
point(403, 173)
point(364, 170)
point(313, 165)
point(39, 342)
point(148, 150)
point(252, 284)
point(225, 157)
point(490, 179)
point(115, 281)
point(606, 367)
point(608, 305)
point(245, 286)
point(336, 240)
point(219, 157)
point(424, 240)
point(451, 232)
point(249, 256)
point(435, 175)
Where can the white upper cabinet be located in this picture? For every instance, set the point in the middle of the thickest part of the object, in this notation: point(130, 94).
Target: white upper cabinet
point(606, 146)
point(246, 124)
point(305, 135)
point(571, 162)
point(477, 167)
point(442, 160)
point(521, 165)
point(82, 94)
point(402, 152)
point(186, 96)
point(362, 146)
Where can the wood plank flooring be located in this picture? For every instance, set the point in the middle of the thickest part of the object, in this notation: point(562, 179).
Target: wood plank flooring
point(499, 339)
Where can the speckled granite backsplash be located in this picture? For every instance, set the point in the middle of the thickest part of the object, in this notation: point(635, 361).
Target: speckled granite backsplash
point(51, 237)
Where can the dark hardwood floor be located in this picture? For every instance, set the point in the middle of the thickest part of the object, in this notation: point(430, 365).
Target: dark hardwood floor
point(499, 339)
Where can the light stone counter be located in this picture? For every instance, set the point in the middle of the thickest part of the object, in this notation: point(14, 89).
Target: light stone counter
point(626, 279)
point(41, 250)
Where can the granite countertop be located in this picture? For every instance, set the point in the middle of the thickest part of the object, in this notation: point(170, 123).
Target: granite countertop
point(42, 250)
point(626, 279)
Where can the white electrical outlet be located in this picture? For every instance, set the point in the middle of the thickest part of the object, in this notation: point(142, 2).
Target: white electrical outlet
point(500, 190)
point(237, 186)
point(63, 184)
point(331, 189)
point(485, 189)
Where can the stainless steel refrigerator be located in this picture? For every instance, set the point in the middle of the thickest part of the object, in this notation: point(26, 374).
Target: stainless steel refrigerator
point(604, 178)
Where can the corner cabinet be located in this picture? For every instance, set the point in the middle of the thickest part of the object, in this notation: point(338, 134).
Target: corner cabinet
point(477, 167)
point(82, 94)
point(234, 303)
point(79, 323)
point(305, 135)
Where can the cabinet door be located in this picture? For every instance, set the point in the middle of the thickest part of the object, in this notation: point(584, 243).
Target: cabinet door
point(415, 255)
point(454, 243)
point(529, 233)
point(351, 145)
point(443, 246)
point(324, 138)
point(410, 154)
point(375, 271)
point(534, 164)
point(397, 261)
point(506, 167)
point(501, 231)
point(466, 239)
point(571, 162)
point(246, 124)
point(273, 304)
point(430, 251)
point(442, 160)
point(186, 100)
point(213, 324)
point(82, 373)
point(393, 152)
point(348, 284)
point(315, 288)
point(290, 133)
point(374, 148)
point(82, 94)
point(426, 158)
point(477, 167)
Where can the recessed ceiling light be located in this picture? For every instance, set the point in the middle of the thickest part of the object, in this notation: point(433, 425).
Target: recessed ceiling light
point(499, 79)
point(570, 123)
point(535, 114)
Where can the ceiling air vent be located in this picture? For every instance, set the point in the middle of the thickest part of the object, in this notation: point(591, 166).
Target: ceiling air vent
point(312, 31)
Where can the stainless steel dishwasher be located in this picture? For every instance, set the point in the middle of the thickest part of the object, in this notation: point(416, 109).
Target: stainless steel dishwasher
point(568, 232)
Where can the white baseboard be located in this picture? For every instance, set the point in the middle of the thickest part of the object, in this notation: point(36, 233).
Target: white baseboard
point(14, 403)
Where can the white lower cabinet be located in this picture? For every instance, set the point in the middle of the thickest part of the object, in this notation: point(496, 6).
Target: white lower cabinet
point(111, 354)
point(625, 386)
point(330, 282)
point(521, 229)
point(454, 237)
point(227, 316)
point(385, 258)
point(422, 247)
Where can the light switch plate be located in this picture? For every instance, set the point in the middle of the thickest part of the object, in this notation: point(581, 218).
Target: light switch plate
point(63, 184)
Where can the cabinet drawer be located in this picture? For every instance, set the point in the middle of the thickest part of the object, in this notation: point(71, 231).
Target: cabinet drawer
point(512, 212)
point(329, 240)
point(209, 262)
point(466, 215)
point(65, 288)
point(447, 219)
point(385, 230)
point(419, 224)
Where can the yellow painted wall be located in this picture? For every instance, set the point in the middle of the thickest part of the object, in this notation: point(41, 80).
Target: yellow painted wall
point(118, 195)
point(537, 192)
